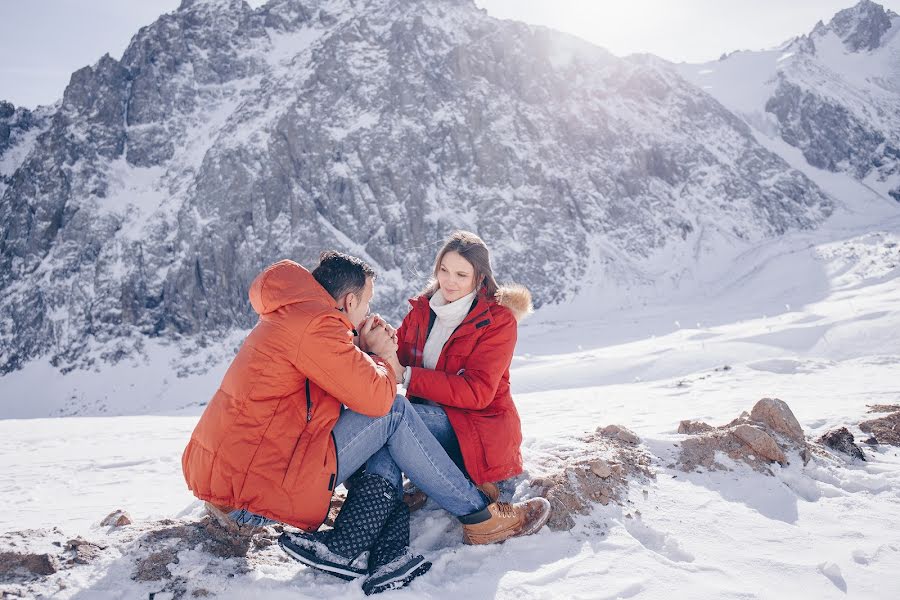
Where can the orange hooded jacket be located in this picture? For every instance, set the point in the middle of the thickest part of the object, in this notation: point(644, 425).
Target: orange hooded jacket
point(264, 441)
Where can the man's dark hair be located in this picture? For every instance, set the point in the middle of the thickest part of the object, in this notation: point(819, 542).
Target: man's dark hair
point(341, 274)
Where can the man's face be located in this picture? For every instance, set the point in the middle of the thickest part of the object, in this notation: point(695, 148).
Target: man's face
point(357, 307)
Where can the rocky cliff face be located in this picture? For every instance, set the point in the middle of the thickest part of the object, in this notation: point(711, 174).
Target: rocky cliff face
point(833, 94)
point(227, 138)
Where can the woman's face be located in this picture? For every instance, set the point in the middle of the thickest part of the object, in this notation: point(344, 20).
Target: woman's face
point(456, 276)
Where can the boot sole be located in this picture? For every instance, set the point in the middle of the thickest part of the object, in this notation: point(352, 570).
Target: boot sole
point(311, 560)
point(534, 527)
point(538, 523)
point(396, 581)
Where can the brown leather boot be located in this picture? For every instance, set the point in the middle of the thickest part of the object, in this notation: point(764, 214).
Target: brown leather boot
point(508, 520)
point(415, 499)
point(491, 490)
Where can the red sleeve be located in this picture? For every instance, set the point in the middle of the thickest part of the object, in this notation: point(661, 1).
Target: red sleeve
point(404, 347)
point(476, 387)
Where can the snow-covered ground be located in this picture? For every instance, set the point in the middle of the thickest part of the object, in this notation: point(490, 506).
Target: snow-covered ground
point(811, 318)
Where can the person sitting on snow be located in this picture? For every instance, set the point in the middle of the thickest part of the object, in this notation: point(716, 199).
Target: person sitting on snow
point(275, 440)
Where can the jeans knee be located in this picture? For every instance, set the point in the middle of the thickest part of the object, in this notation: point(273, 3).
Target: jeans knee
point(400, 405)
point(398, 410)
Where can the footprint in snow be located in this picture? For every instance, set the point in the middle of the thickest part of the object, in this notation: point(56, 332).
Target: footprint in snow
point(833, 573)
point(657, 541)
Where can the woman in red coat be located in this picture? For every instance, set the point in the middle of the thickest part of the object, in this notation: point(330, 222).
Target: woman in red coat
point(456, 345)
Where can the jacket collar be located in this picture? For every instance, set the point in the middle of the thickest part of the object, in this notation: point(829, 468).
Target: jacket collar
point(479, 312)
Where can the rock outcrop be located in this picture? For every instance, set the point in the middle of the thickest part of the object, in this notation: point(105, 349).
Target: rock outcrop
point(886, 429)
point(599, 474)
point(842, 440)
point(762, 437)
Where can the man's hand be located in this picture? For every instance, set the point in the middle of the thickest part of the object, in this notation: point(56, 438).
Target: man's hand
point(363, 333)
point(376, 339)
point(379, 320)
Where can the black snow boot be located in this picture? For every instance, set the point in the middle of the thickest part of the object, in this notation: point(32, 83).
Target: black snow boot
point(391, 565)
point(341, 551)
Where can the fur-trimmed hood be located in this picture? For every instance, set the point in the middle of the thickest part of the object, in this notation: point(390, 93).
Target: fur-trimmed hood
point(516, 298)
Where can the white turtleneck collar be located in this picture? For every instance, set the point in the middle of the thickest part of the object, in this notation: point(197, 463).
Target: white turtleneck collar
point(451, 314)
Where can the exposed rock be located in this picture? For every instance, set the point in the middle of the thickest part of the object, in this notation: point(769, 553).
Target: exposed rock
point(599, 474)
point(883, 408)
point(151, 547)
point(759, 438)
point(155, 566)
point(861, 27)
point(778, 416)
point(885, 430)
point(620, 433)
point(116, 518)
point(83, 551)
point(689, 427)
point(601, 468)
point(761, 443)
point(17, 566)
point(842, 440)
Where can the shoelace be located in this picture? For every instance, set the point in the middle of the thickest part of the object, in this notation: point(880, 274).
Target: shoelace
point(505, 509)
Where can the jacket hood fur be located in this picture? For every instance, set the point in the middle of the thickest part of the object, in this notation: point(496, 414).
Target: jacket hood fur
point(516, 298)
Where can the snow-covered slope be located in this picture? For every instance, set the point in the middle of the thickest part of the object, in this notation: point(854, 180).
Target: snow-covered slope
point(833, 94)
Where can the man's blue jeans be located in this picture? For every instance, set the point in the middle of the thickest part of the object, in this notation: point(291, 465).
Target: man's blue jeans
point(412, 438)
point(401, 442)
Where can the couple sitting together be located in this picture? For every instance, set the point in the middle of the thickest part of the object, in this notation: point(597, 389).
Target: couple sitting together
point(310, 402)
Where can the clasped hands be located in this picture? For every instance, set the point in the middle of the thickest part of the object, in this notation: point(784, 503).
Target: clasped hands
point(378, 337)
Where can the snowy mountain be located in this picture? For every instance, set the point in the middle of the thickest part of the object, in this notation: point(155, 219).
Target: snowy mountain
point(228, 137)
point(695, 253)
point(833, 94)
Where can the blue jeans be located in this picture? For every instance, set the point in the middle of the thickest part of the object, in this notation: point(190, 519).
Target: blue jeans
point(405, 445)
point(242, 516)
point(438, 424)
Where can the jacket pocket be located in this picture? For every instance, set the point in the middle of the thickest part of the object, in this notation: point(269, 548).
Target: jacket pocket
point(296, 463)
point(499, 437)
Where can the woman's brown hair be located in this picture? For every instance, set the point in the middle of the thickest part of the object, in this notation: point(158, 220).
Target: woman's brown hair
point(475, 251)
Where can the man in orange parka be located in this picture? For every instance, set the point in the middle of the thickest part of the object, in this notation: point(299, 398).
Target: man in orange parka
point(275, 441)
point(266, 434)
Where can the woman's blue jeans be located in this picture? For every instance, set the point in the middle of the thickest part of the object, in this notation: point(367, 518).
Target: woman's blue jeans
point(435, 419)
point(410, 439)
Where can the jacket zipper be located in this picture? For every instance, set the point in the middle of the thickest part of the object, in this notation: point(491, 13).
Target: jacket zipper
point(308, 403)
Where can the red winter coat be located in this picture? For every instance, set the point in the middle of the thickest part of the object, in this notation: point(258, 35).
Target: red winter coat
point(471, 379)
point(264, 442)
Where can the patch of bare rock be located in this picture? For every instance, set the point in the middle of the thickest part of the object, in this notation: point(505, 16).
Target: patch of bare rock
point(886, 429)
point(596, 472)
point(150, 549)
point(841, 440)
point(765, 435)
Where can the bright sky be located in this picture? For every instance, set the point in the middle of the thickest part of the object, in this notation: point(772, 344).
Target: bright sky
point(43, 41)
